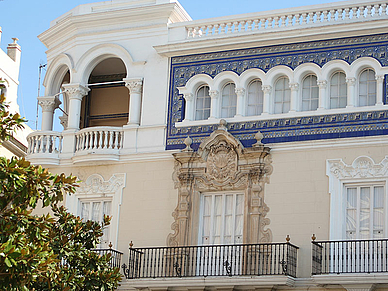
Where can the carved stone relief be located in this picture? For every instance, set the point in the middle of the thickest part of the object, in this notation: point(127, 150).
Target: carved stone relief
point(221, 164)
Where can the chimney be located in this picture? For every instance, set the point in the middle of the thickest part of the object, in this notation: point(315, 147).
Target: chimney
point(14, 50)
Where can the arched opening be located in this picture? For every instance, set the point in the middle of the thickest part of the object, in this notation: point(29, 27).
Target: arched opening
point(107, 103)
point(61, 114)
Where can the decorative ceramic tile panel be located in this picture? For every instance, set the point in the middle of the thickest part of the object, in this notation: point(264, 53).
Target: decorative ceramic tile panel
point(265, 58)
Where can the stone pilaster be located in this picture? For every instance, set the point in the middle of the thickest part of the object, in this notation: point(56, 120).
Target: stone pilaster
point(351, 92)
point(240, 92)
point(214, 103)
point(323, 100)
point(135, 86)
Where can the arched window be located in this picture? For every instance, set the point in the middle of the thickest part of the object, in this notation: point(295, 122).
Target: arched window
point(228, 101)
point(255, 98)
point(338, 91)
point(310, 93)
point(282, 95)
point(202, 103)
point(367, 88)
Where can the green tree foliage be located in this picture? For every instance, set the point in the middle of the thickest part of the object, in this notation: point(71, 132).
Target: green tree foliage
point(45, 252)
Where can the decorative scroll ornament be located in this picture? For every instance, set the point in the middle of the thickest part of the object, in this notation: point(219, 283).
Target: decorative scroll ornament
point(221, 164)
point(362, 167)
point(95, 184)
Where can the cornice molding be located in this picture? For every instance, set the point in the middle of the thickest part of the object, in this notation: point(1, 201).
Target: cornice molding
point(107, 20)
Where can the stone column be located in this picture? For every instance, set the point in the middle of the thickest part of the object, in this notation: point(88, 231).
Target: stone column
point(351, 92)
point(294, 97)
point(189, 113)
point(214, 104)
point(323, 100)
point(240, 109)
point(266, 101)
point(75, 92)
point(379, 89)
point(48, 104)
point(134, 86)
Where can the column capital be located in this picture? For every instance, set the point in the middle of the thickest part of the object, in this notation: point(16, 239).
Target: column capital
point(239, 91)
point(49, 103)
point(75, 91)
point(351, 81)
point(379, 79)
point(322, 84)
point(266, 89)
point(294, 86)
point(213, 94)
point(134, 85)
point(188, 96)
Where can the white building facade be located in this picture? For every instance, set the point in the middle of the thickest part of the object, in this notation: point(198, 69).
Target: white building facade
point(240, 152)
point(9, 82)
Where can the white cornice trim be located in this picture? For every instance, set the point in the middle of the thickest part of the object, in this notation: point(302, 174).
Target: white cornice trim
point(351, 279)
point(269, 37)
point(202, 282)
point(163, 12)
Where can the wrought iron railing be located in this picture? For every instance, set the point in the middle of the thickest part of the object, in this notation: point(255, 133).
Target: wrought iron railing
point(212, 260)
point(115, 259)
point(349, 256)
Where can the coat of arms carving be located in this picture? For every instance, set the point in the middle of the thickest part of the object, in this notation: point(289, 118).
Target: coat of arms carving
point(222, 161)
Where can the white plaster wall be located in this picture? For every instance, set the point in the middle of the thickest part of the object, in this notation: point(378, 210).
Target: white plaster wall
point(9, 70)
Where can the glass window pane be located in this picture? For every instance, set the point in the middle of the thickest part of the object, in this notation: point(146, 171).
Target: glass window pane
point(228, 101)
point(85, 210)
point(202, 103)
point(96, 211)
point(224, 224)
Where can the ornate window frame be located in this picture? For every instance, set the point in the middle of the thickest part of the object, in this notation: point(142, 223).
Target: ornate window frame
point(221, 164)
point(362, 170)
point(96, 188)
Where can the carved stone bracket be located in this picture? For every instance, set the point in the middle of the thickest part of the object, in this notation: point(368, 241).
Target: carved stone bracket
point(221, 164)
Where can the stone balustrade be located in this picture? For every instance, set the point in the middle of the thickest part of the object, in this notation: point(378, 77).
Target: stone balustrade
point(44, 142)
point(99, 138)
point(314, 15)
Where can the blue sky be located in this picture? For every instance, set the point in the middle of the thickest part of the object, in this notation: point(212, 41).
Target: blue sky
point(25, 19)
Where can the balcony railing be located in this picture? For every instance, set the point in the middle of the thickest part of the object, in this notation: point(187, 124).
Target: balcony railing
point(115, 259)
point(99, 138)
point(212, 260)
point(315, 15)
point(349, 256)
point(42, 142)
